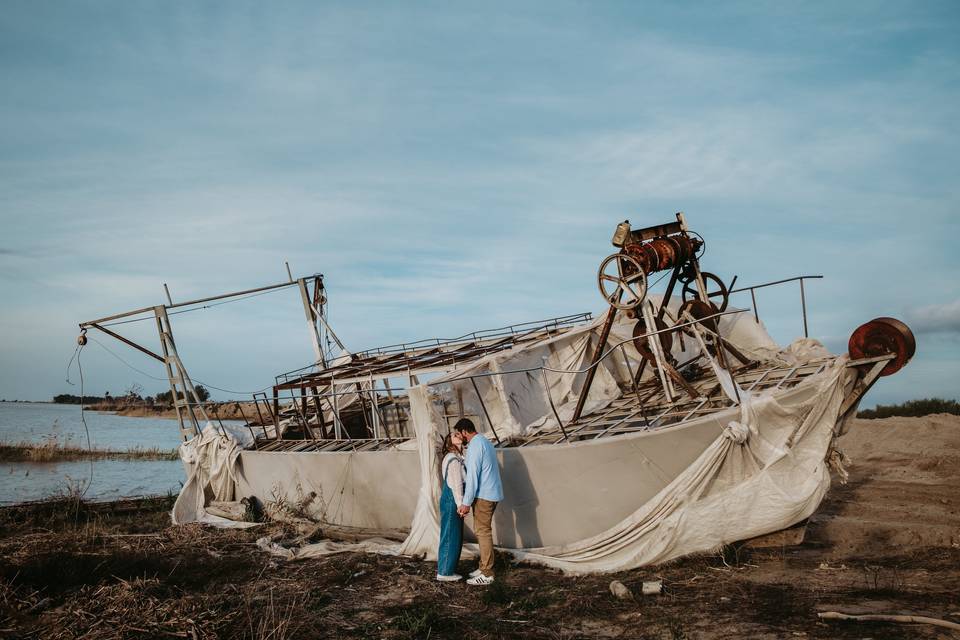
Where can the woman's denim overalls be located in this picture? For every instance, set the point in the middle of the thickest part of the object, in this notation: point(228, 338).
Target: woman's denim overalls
point(451, 530)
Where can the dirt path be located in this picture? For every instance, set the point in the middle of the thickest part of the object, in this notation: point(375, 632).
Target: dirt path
point(889, 542)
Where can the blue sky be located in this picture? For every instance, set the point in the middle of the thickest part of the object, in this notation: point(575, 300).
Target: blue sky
point(452, 167)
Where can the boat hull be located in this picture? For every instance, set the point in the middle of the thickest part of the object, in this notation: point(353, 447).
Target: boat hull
point(554, 494)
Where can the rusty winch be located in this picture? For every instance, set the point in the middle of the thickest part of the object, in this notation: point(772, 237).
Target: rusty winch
point(622, 277)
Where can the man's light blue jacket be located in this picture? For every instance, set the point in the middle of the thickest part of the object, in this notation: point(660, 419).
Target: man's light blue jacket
point(483, 473)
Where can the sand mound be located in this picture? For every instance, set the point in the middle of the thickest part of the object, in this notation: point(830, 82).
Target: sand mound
point(904, 488)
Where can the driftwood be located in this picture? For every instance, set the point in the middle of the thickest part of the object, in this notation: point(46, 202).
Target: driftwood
point(880, 617)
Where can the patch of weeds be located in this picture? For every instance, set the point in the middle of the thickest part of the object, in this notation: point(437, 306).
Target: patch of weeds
point(497, 593)
point(502, 562)
point(734, 555)
point(533, 602)
point(675, 629)
point(253, 510)
point(60, 571)
point(319, 598)
point(421, 620)
point(369, 629)
point(882, 580)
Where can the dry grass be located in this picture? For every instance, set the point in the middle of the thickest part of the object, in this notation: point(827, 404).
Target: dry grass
point(80, 570)
point(53, 449)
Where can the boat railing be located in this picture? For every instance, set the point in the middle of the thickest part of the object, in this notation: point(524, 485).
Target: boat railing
point(803, 296)
point(432, 344)
point(543, 369)
point(332, 395)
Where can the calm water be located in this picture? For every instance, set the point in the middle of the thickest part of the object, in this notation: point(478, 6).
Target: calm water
point(20, 481)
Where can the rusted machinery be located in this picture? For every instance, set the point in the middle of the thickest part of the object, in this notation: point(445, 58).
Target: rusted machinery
point(880, 337)
point(623, 276)
point(624, 282)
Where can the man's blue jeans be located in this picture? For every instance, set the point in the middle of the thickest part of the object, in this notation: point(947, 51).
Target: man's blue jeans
point(451, 534)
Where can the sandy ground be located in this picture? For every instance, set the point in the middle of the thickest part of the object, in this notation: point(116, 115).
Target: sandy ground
point(887, 542)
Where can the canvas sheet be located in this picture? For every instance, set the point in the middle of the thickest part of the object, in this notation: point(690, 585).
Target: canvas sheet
point(766, 471)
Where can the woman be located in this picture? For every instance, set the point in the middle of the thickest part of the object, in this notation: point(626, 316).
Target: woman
point(452, 472)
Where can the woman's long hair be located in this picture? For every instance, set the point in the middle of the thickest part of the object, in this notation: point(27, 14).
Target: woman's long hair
point(446, 446)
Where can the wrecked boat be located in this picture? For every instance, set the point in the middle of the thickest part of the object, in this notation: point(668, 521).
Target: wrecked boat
point(671, 424)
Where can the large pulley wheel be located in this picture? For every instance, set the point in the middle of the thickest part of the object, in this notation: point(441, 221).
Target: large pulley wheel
point(702, 312)
point(716, 291)
point(622, 281)
point(883, 336)
point(686, 274)
point(642, 342)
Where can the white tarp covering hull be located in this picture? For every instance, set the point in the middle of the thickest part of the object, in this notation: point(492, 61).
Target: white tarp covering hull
point(553, 494)
point(604, 504)
point(558, 496)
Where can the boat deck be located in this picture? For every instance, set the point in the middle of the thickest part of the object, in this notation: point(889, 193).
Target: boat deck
point(642, 409)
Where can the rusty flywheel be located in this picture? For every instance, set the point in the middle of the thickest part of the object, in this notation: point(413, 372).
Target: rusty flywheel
point(882, 336)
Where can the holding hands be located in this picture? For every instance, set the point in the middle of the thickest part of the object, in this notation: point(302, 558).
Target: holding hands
point(463, 510)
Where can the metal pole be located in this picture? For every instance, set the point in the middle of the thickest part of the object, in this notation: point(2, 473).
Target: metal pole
point(129, 342)
point(396, 408)
point(247, 423)
point(546, 387)
point(188, 303)
point(338, 427)
point(633, 380)
point(374, 410)
point(186, 432)
point(753, 299)
point(594, 360)
point(484, 407)
point(169, 299)
point(803, 302)
point(311, 317)
point(319, 409)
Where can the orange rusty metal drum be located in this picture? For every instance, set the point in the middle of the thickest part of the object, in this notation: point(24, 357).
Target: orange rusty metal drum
point(666, 252)
point(645, 255)
point(881, 336)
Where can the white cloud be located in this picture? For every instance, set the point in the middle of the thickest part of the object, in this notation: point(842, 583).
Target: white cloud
point(936, 318)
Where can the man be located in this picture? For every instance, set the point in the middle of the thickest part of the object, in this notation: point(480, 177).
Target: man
point(483, 491)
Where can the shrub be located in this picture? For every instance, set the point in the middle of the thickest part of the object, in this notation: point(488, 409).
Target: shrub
point(913, 408)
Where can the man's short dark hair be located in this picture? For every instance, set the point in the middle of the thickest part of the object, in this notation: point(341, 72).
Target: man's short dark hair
point(465, 424)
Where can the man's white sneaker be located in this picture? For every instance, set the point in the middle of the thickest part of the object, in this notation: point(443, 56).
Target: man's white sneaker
point(451, 578)
point(475, 573)
point(480, 579)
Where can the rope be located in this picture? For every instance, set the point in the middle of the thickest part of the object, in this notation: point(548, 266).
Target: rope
point(144, 373)
point(83, 419)
point(70, 364)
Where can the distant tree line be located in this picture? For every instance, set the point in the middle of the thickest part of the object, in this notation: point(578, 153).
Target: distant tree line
point(167, 396)
point(913, 408)
point(131, 397)
point(67, 398)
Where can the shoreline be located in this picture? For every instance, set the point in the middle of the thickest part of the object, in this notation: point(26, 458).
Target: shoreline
point(52, 451)
point(223, 411)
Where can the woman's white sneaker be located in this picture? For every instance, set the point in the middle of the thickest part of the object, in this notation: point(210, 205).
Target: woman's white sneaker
point(480, 579)
point(451, 578)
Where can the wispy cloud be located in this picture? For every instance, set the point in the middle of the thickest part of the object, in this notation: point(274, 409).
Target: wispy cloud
point(453, 167)
point(936, 318)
